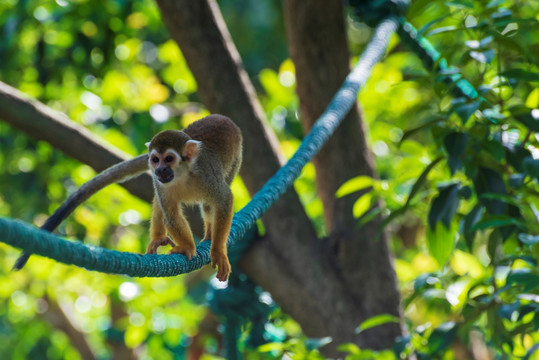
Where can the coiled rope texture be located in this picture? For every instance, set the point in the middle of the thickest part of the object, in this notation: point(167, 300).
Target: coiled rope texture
point(31, 239)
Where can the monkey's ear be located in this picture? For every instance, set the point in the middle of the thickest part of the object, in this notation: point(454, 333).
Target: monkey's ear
point(148, 144)
point(190, 149)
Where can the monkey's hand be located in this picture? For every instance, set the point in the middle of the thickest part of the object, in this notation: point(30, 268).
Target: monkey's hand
point(219, 260)
point(185, 248)
point(156, 243)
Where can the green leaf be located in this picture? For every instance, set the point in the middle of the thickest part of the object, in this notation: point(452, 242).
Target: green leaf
point(376, 320)
point(528, 308)
point(449, 71)
point(502, 13)
point(473, 44)
point(441, 338)
point(516, 157)
point(350, 348)
point(460, 4)
point(530, 121)
point(441, 242)
point(505, 198)
point(317, 343)
point(400, 345)
point(493, 115)
point(506, 311)
point(442, 30)
point(431, 120)
point(494, 148)
point(494, 246)
point(527, 259)
point(516, 181)
point(521, 74)
point(464, 111)
point(484, 57)
point(425, 279)
point(430, 23)
point(524, 277)
point(355, 184)
point(275, 346)
point(371, 214)
point(444, 206)
point(455, 144)
point(490, 181)
point(528, 239)
point(486, 40)
point(497, 221)
point(465, 192)
point(495, 3)
point(531, 166)
point(362, 205)
point(470, 220)
point(420, 181)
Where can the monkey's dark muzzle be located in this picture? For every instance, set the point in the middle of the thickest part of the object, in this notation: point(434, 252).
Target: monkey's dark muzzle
point(164, 174)
point(165, 180)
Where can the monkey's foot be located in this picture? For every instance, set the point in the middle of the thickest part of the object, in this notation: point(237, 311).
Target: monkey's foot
point(220, 261)
point(156, 243)
point(189, 250)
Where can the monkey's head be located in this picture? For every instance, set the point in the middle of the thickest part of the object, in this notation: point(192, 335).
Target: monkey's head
point(171, 152)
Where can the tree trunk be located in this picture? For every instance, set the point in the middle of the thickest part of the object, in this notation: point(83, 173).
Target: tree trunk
point(290, 263)
point(319, 50)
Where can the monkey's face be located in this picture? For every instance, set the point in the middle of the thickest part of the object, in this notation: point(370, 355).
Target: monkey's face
point(165, 165)
point(171, 155)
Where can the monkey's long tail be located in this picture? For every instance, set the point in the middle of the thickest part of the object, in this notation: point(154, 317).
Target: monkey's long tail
point(120, 172)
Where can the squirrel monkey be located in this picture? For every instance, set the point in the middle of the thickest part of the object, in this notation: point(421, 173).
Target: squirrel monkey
point(196, 165)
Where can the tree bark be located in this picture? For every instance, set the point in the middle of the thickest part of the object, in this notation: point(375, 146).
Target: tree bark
point(319, 50)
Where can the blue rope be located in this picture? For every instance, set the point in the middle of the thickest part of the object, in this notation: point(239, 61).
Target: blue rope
point(31, 239)
point(371, 11)
point(432, 59)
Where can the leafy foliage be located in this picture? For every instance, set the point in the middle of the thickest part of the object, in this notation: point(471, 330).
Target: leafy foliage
point(458, 176)
point(475, 198)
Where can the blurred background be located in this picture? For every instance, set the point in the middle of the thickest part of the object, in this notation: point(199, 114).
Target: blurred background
point(112, 67)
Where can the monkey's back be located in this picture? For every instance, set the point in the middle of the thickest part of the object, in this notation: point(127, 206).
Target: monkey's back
point(222, 137)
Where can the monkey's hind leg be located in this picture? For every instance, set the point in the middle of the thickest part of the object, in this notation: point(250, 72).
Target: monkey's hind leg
point(221, 228)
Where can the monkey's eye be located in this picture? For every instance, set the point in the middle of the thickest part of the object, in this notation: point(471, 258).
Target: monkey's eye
point(169, 159)
point(155, 159)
